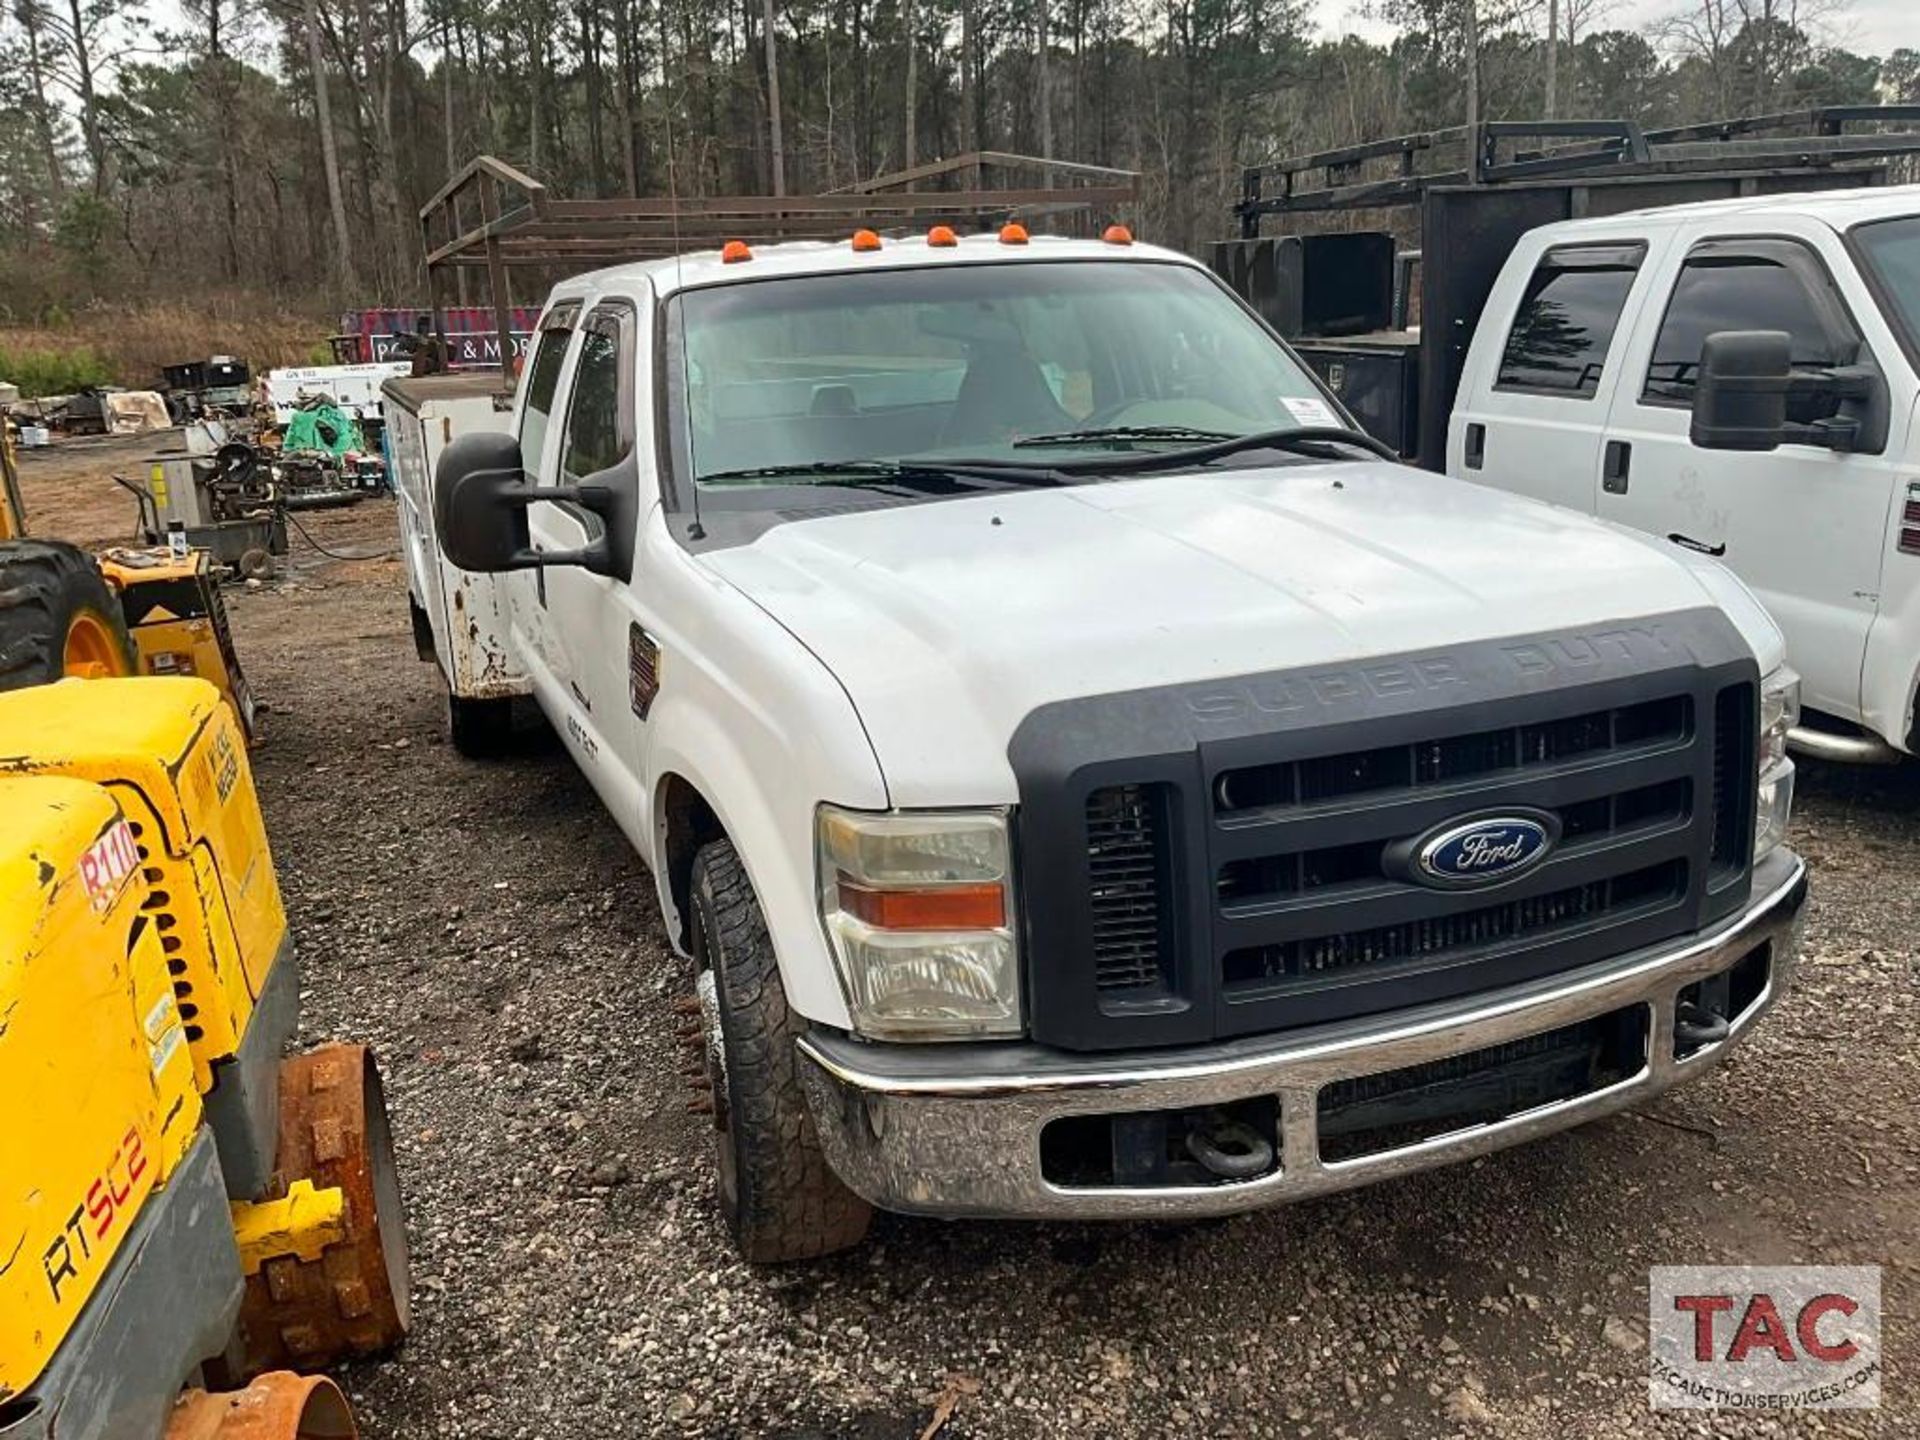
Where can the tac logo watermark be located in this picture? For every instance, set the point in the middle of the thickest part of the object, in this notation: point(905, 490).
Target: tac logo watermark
point(1764, 1337)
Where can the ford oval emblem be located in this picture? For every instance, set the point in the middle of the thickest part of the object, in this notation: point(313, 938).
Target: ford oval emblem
point(1484, 850)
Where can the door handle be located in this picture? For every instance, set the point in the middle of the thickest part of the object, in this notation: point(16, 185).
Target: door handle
point(1476, 455)
point(1614, 467)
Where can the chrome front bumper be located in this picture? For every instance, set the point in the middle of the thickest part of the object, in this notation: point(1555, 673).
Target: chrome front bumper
point(955, 1130)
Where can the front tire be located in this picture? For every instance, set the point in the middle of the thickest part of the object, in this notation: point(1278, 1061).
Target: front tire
point(781, 1199)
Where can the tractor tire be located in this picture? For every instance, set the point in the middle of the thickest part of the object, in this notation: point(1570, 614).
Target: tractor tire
point(781, 1199)
point(480, 729)
point(353, 1298)
point(57, 617)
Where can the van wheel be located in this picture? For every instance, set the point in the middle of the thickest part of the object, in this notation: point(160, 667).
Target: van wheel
point(781, 1199)
point(479, 729)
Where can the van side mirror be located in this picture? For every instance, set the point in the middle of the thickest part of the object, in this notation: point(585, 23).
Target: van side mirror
point(1740, 399)
point(480, 500)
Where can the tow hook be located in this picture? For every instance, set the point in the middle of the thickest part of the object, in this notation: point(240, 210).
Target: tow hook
point(1695, 1026)
point(1229, 1148)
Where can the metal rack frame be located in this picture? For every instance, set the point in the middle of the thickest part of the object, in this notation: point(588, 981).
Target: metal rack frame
point(1573, 150)
point(495, 217)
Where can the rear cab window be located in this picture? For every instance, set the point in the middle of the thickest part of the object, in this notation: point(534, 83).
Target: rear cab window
point(1564, 325)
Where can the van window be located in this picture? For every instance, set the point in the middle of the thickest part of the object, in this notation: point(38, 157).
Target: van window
point(550, 348)
point(1565, 323)
point(597, 438)
point(1761, 285)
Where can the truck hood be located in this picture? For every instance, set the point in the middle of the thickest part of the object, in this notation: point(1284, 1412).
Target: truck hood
point(948, 622)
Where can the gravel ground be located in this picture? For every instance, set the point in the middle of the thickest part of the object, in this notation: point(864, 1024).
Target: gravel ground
point(486, 928)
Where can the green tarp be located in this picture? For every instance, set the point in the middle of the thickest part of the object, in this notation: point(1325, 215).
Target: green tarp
point(310, 428)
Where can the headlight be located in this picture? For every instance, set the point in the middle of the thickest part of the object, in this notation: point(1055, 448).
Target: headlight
point(918, 906)
point(1779, 713)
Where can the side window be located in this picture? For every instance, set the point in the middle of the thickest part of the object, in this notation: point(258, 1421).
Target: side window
point(599, 431)
point(1565, 323)
point(1759, 286)
point(549, 350)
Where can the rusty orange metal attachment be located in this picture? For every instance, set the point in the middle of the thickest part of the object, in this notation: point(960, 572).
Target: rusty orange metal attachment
point(352, 1298)
point(276, 1406)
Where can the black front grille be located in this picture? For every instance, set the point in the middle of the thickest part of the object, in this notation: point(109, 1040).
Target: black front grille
point(1127, 865)
point(1735, 738)
point(1443, 936)
point(1451, 759)
point(1258, 874)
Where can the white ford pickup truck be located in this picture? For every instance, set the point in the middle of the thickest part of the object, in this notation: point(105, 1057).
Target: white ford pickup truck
point(1087, 779)
point(1594, 350)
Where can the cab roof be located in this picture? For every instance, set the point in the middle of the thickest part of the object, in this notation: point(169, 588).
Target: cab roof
point(834, 257)
point(1840, 209)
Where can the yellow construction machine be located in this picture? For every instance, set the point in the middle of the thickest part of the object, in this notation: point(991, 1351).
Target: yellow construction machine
point(186, 1217)
point(123, 612)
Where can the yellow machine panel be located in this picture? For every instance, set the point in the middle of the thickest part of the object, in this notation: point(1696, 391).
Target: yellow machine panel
point(178, 620)
point(94, 1066)
point(172, 754)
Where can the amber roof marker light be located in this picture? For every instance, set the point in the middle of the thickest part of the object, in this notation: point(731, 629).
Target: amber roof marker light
point(734, 251)
point(865, 240)
point(1117, 235)
point(942, 236)
point(1013, 233)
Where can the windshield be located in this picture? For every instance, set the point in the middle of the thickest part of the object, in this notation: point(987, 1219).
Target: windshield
point(1891, 251)
point(835, 374)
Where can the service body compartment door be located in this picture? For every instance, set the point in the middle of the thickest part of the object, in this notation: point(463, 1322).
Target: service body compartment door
point(466, 611)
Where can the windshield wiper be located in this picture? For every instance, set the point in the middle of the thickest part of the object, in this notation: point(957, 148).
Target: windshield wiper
point(1313, 440)
point(858, 472)
point(1124, 432)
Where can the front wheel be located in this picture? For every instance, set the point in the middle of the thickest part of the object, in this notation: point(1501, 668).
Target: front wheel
point(781, 1199)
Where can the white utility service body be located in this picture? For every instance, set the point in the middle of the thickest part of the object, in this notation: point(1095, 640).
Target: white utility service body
point(1582, 400)
point(783, 677)
point(458, 618)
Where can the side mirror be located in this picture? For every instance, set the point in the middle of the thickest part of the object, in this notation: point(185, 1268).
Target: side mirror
point(480, 500)
point(1740, 401)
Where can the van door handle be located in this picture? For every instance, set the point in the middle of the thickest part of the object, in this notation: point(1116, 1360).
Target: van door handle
point(1476, 445)
point(1618, 461)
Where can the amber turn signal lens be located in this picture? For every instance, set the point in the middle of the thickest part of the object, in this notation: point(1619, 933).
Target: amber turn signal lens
point(864, 240)
point(734, 251)
point(949, 907)
point(1013, 233)
point(1117, 235)
point(942, 235)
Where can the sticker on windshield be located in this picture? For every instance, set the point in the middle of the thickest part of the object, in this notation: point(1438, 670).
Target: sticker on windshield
point(1310, 411)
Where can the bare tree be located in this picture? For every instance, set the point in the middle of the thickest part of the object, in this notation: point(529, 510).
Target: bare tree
point(329, 150)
